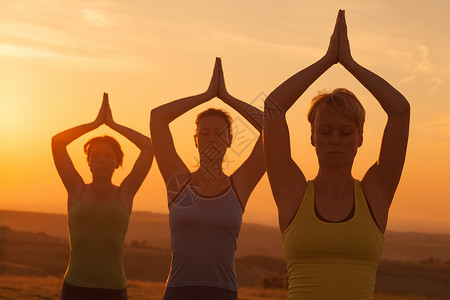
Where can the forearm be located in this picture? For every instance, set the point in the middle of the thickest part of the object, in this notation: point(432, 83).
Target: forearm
point(66, 137)
point(168, 112)
point(253, 115)
point(391, 100)
point(285, 95)
point(141, 141)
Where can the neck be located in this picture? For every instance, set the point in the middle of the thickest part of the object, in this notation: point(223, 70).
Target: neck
point(210, 172)
point(102, 184)
point(334, 180)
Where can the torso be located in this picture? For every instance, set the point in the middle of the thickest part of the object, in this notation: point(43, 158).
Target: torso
point(204, 230)
point(97, 229)
point(89, 195)
point(335, 210)
point(323, 257)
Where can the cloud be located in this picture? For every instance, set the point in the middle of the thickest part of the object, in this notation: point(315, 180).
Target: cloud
point(424, 65)
point(408, 79)
point(76, 62)
point(439, 126)
point(421, 68)
point(96, 18)
point(435, 83)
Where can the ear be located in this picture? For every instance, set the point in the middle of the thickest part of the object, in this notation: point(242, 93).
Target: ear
point(360, 139)
point(312, 138)
point(196, 141)
point(230, 139)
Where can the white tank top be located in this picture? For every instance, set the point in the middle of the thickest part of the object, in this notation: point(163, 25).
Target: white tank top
point(204, 231)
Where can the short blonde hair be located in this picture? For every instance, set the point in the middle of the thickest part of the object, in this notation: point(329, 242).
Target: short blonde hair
point(343, 101)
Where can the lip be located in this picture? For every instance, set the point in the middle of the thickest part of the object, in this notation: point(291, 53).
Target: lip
point(335, 152)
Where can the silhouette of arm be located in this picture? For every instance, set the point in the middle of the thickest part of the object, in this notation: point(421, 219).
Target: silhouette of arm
point(70, 177)
point(286, 179)
point(169, 162)
point(247, 176)
point(133, 181)
point(386, 171)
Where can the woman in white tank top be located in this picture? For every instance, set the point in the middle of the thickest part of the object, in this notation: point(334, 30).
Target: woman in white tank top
point(205, 206)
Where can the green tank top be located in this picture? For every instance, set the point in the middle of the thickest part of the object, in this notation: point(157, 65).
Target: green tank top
point(332, 260)
point(96, 235)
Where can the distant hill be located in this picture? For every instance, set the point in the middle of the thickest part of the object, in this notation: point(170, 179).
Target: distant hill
point(260, 240)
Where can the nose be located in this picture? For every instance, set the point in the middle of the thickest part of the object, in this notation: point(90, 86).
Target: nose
point(335, 138)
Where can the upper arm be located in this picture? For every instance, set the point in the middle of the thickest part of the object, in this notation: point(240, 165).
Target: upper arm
point(247, 176)
point(169, 162)
point(71, 179)
point(386, 172)
point(286, 179)
point(137, 175)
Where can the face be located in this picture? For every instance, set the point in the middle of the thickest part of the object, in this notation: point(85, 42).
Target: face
point(335, 137)
point(212, 137)
point(102, 160)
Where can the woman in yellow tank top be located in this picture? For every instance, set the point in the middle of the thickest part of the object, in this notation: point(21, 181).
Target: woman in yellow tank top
point(333, 226)
point(98, 212)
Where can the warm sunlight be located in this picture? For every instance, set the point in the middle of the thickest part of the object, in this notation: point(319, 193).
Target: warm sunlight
point(13, 120)
point(54, 72)
point(58, 58)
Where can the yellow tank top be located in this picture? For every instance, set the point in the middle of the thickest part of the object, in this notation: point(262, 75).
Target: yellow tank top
point(332, 260)
point(96, 235)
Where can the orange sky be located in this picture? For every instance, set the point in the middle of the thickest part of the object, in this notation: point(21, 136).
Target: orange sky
point(58, 57)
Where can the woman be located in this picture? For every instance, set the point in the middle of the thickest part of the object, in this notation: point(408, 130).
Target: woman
point(98, 212)
point(333, 226)
point(205, 206)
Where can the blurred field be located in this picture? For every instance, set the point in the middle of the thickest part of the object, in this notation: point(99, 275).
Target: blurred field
point(254, 239)
point(48, 288)
point(34, 256)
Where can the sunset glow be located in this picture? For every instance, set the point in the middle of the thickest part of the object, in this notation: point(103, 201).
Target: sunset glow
point(58, 57)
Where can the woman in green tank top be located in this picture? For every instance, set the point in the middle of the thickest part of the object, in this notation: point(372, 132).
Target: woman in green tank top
point(333, 226)
point(98, 212)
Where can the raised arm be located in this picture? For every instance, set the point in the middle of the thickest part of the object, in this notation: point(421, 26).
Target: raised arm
point(169, 162)
point(71, 179)
point(385, 173)
point(133, 181)
point(247, 176)
point(286, 179)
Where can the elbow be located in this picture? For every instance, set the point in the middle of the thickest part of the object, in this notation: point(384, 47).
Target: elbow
point(272, 109)
point(57, 141)
point(156, 117)
point(147, 146)
point(400, 109)
point(404, 110)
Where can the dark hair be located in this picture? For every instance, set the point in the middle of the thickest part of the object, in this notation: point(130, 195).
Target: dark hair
point(215, 112)
point(345, 103)
point(108, 140)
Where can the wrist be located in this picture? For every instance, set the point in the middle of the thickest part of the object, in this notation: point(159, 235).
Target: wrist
point(349, 63)
point(327, 61)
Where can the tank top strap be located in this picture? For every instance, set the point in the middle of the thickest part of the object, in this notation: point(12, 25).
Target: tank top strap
point(362, 207)
point(230, 179)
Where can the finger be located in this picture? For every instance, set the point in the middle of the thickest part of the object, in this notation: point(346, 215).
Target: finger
point(217, 63)
point(220, 65)
point(343, 21)
point(336, 26)
point(105, 101)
